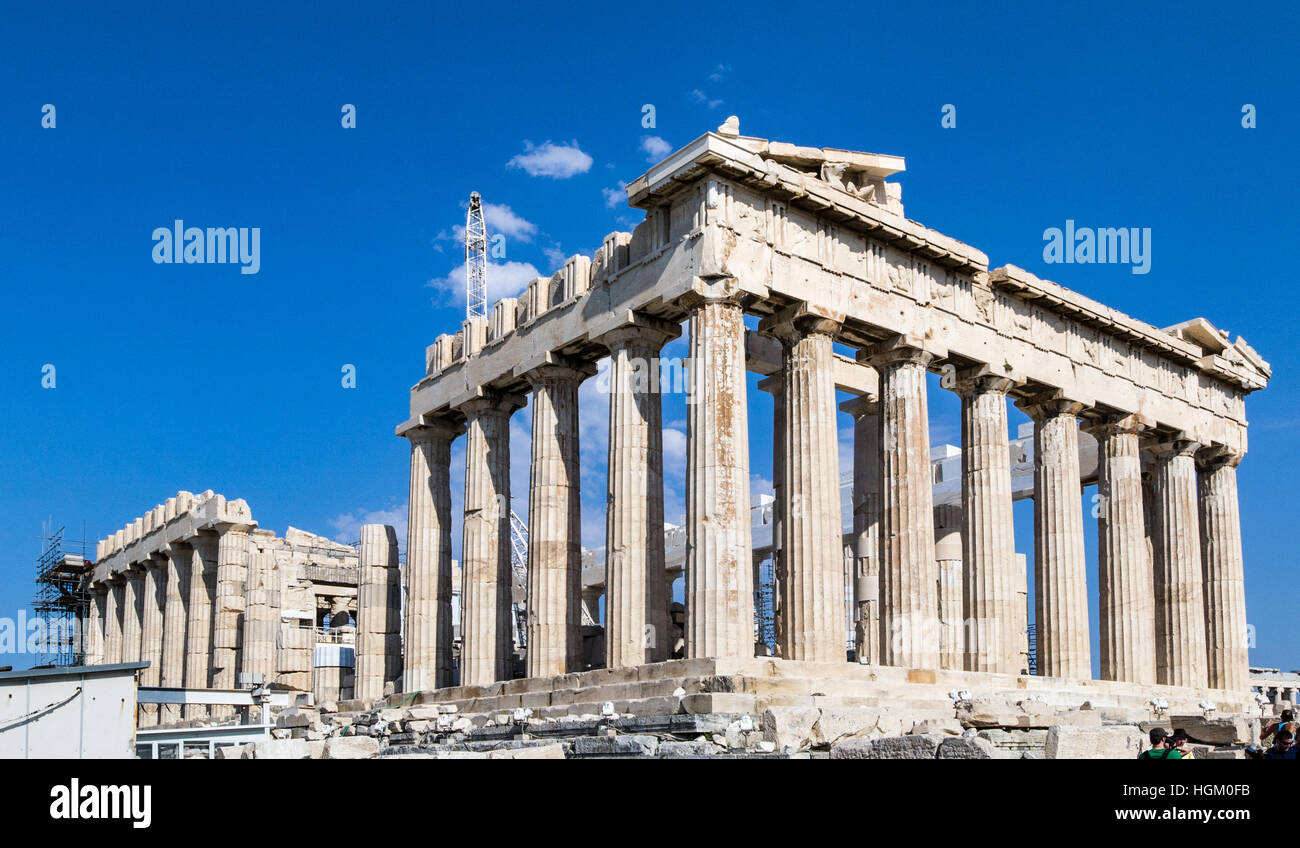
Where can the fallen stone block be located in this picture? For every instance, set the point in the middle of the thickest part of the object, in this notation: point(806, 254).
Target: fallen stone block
point(912, 747)
point(281, 749)
point(532, 752)
point(967, 748)
point(688, 750)
point(611, 746)
point(1221, 730)
point(941, 726)
point(1115, 742)
point(351, 748)
point(791, 728)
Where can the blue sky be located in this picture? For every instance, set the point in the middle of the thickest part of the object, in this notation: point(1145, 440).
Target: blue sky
point(197, 376)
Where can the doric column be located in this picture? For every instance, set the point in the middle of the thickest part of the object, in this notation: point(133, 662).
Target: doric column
point(151, 632)
point(908, 635)
point(636, 610)
point(1225, 596)
point(812, 595)
point(132, 605)
point(988, 529)
point(229, 602)
point(262, 615)
point(93, 629)
point(175, 623)
point(198, 627)
point(113, 620)
point(866, 523)
point(379, 613)
point(949, 586)
point(719, 595)
point(775, 386)
point(429, 637)
point(486, 640)
point(1060, 571)
point(1179, 582)
point(555, 525)
point(1127, 605)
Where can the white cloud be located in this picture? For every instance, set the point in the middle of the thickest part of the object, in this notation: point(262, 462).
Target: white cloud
point(701, 97)
point(719, 71)
point(759, 488)
point(504, 279)
point(347, 527)
point(656, 148)
point(559, 161)
point(500, 218)
point(555, 255)
point(615, 196)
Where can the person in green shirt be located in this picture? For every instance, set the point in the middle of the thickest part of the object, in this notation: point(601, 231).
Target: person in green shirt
point(1160, 748)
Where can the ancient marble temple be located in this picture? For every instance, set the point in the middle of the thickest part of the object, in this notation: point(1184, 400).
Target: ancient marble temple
point(841, 293)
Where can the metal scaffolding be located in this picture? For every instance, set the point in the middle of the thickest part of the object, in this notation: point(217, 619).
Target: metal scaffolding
point(62, 597)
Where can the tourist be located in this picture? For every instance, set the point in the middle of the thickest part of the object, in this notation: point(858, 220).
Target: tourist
point(1283, 746)
point(1285, 722)
point(1160, 748)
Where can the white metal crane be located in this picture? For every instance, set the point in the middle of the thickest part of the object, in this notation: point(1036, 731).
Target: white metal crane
point(475, 259)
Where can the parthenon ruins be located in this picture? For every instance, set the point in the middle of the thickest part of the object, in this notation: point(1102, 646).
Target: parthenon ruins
point(813, 243)
point(797, 264)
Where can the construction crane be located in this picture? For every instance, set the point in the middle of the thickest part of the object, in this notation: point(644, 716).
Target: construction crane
point(476, 305)
point(475, 259)
point(519, 569)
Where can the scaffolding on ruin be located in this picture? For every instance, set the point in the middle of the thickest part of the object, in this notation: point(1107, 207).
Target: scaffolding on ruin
point(519, 570)
point(61, 597)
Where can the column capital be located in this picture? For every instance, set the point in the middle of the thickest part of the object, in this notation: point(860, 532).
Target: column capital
point(798, 321)
point(773, 384)
point(1046, 405)
point(1219, 456)
point(641, 329)
point(1174, 447)
point(722, 290)
point(861, 406)
point(431, 429)
point(559, 369)
point(504, 403)
point(981, 380)
point(1118, 424)
point(898, 350)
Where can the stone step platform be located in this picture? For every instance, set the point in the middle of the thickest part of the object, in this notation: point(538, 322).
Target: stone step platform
point(750, 686)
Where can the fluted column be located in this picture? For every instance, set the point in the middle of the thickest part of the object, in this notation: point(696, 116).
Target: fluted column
point(1179, 581)
point(1060, 570)
point(113, 620)
point(1225, 595)
point(775, 386)
point(866, 523)
point(719, 594)
point(132, 605)
point(198, 628)
point(428, 634)
point(908, 572)
point(988, 529)
point(555, 525)
point(151, 632)
point(229, 604)
point(262, 613)
point(379, 613)
point(949, 586)
point(812, 595)
point(92, 638)
point(1127, 603)
point(175, 625)
point(487, 643)
point(637, 629)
